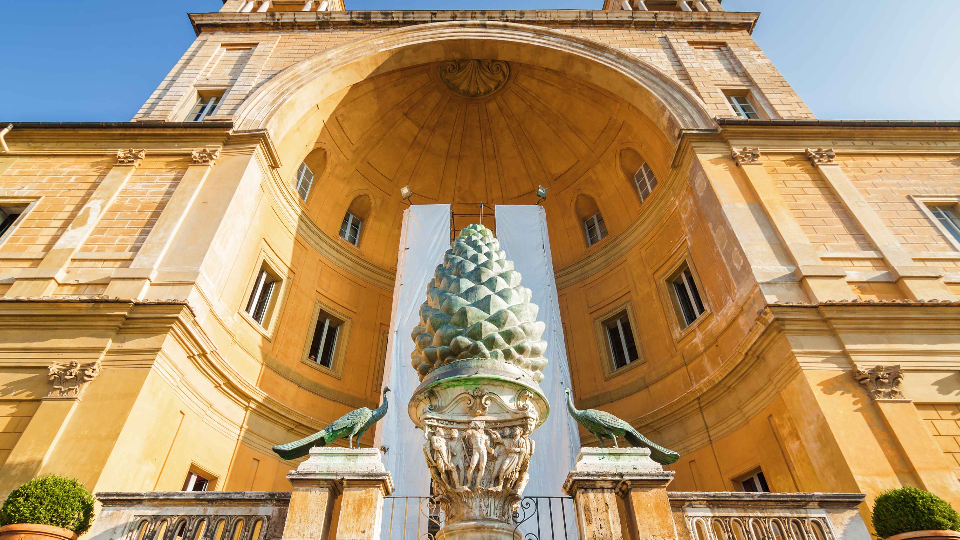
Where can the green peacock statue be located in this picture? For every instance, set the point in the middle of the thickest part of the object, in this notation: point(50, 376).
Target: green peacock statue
point(607, 426)
point(351, 425)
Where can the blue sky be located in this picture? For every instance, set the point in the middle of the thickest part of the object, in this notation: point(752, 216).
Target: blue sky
point(99, 60)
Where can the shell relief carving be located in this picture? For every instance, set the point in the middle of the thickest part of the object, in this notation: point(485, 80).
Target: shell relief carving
point(474, 78)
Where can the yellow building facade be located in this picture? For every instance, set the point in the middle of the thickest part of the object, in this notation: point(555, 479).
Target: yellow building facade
point(789, 285)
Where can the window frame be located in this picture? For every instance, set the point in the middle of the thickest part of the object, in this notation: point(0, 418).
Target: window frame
point(205, 93)
point(27, 204)
point(303, 166)
point(599, 224)
point(601, 324)
point(752, 98)
point(278, 271)
point(925, 204)
point(343, 337)
point(359, 228)
point(202, 473)
point(636, 183)
point(755, 474)
point(671, 269)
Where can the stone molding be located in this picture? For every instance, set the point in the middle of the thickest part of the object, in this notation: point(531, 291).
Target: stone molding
point(130, 157)
point(70, 379)
point(821, 156)
point(881, 382)
point(205, 156)
point(745, 156)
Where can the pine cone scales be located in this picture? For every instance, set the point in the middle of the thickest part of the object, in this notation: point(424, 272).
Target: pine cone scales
point(476, 308)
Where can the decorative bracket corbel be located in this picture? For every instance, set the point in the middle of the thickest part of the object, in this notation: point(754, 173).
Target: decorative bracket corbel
point(745, 156)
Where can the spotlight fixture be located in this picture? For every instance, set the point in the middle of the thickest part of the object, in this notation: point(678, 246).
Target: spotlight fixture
point(406, 192)
point(541, 192)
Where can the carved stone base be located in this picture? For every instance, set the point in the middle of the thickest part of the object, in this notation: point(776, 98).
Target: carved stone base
point(484, 529)
point(477, 417)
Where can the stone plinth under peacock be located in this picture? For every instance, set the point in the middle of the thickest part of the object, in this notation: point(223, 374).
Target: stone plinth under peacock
point(479, 354)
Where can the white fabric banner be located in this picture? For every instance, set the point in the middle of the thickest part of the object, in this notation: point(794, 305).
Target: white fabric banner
point(424, 238)
point(522, 231)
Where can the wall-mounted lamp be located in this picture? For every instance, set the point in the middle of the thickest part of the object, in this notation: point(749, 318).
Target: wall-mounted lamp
point(541, 193)
point(406, 193)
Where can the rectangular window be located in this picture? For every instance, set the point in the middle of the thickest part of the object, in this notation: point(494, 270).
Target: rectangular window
point(949, 217)
point(645, 180)
point(595, 228)
point(686, 297)
point(755, 483)
point(623, 348)
point(260, 297)
point(195, 482)
point(207, 104)
point(304, 181)
point(350, 229)
point(743, 106)
point(324, 344)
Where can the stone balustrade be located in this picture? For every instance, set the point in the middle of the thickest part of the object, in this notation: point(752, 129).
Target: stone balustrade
point(768, 516)
point(191, 515)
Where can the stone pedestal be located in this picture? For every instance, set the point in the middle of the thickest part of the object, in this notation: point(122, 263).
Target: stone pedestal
point(618, 488)
point(355, 479)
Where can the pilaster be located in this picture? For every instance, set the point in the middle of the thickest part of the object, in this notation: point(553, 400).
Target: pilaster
point(355, 478)
point(133, 282)
point(921, 451)
point(819, 280)
point(917, 282)
point(43, 280)
point(605, 480)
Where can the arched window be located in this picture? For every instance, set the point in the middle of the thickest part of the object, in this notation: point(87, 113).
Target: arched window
point(590, 217)
point(353, 220)
point(636, 169)
point(312, 166)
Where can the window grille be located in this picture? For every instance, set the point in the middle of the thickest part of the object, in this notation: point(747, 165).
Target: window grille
point(350, 229)
point(948, 216)
point(324, 343)
point(595, 228)
point(304, 181)
point(623, 347)
point(687, 296)
point(645, 181)
point(260, 296)
point(742, 106)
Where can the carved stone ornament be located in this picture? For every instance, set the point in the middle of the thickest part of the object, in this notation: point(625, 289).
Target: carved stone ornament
point(480, 359)
point(130, 157)
point(881, 382)
point(71, 378)
point(205, 156)
point(745, 156)
point(821, 156)
point(474, 78)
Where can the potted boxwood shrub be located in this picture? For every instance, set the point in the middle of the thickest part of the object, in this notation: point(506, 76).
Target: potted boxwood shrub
point(913, 514)
point(47, 508)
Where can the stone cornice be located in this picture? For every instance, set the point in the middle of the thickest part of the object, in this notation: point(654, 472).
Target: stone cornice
point(105, 138)
point(328, 20)
point(842, 136)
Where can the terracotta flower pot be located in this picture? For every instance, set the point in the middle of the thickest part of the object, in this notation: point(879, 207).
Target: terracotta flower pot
point(917, 535)
point(33, 531)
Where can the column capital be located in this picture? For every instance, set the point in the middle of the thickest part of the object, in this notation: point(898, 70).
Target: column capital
point(745, 156)
point(70, 379)
point(881, 382)
point(130, 157)
point(205, 156)
point(821, 156)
